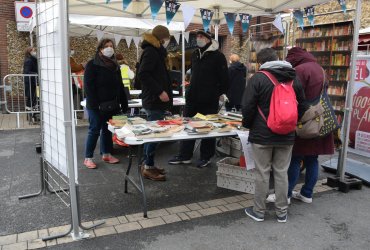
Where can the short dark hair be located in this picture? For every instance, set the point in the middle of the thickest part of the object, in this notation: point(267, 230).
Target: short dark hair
point(103, 42)
point(267, 55)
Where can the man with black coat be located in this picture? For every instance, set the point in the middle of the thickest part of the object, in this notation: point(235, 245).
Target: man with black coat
point(156, 90)
point(209, 80)
point(270, 150)
point(237, 80)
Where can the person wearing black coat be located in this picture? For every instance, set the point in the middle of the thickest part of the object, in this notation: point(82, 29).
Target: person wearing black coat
point(30, 67)
point(237, 80)
point(103, 85)
point(209, 80)
point(156, 90)
point(270, 150)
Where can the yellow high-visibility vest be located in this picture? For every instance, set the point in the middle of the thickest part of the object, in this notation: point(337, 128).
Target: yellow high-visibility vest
point(125, 77)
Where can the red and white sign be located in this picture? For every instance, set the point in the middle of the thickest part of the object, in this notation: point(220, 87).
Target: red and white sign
point(23, 14)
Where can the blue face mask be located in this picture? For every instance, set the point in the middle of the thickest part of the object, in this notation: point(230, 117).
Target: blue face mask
point(201, 42)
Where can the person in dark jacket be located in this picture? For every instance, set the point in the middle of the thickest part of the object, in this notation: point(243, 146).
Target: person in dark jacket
point(30, 67)
point(103, 85)
point(270, 150)
point(237, 80)
point(312, 76)
point(156, 90)
point(209, 80)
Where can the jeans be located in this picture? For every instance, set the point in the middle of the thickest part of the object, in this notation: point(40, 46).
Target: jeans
point(149, 148)
point(312, 172)
point(98, 126)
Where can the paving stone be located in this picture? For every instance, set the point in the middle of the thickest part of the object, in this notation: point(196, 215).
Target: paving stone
point(51, 243)
point(247, 203)
point(90, 232)
point(59, 230)
point(194, 214)
point(231, 199)
point(34, 244)
point(122, 219)
point(223, 208)
point(8, 239)
point(177, 209)
point(104, 231)
point(194, 206)
point(108, 222)
point(152, 222)
point(171, 218)
point(32, 235)
point(16, 246)
point(157, 213)
point(131, 226)
point(135, 217)
point(183, 216)
point(209, 211)
point(203, 204)
point(66, 239)
point(217, 202)
point(240, 197)
point(233, 206)
point(43, 233)
point(248, 196)
point(87, 223)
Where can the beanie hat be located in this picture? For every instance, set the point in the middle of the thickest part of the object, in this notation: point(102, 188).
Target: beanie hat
point(204, 33)
point(161, 32)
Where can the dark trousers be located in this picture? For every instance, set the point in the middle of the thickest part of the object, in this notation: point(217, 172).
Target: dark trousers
point(30, 92)
point(207, 146)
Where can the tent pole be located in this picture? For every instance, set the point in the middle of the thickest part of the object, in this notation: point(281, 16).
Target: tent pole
point(349, 99)
point(183, 61)
point(216, 32)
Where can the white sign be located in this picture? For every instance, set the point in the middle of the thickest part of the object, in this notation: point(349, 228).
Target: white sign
point(362, 141)
point(23, 15)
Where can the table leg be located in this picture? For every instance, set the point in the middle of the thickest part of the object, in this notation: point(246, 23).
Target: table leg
point(130, 156)
point(139, 154)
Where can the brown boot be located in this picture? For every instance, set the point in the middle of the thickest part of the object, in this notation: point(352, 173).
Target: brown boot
point(161, 171)
point(152, 174)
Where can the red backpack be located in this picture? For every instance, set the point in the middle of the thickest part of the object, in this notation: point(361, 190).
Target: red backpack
point(283, 116)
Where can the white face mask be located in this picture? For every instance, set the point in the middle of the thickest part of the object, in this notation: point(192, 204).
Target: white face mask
point(201, 42)
point(165, 44)
point(72, 52)
point(33, 53)
point(108, 52)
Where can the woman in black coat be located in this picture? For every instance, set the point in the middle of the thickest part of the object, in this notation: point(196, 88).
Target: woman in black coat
point(30, 68)
point(103, 89)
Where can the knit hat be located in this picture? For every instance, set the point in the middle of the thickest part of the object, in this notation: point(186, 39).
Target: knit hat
point(161, 32)
point(204, 33)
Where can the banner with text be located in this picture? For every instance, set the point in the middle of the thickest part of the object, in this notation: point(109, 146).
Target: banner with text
point(171, 9)
point(245, 20)
point(206, 18)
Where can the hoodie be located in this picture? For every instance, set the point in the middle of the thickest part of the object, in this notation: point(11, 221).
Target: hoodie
point(258, 94)
point(237, 81)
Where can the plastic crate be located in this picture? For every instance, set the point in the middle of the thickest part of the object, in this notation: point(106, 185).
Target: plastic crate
point(230, 146)
point(231, 176)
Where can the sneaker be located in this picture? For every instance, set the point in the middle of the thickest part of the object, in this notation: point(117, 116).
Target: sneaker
point(179, 160)
point(28, 108)
point(203, 163)
point(249, 211)
point(299, 196)
point(152, 174)
point(110, 159)
point(89, 163)
point(282, 219)
point(272, 198)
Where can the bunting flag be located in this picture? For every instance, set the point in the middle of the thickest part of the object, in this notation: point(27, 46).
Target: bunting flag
point(230, 20)
point(171, 9)
point(117, 39)
point(126, 3)
point(155, 6)
point(299, 17)
point(343, 5)
point(206, 18)
point(245, 20)
point(177, 37)
point(128, 41)
point(99, 34)
point(187, 14)
point(137, 41)
point(186, 36)
point(310, 13)
point(278, 23)
point(107, 1)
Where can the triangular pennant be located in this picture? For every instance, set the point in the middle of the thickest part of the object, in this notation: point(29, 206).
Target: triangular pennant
point(117, 39)
point(107, 1)
point(186, 36)
point(245, 19)
point(230, 20)
point(137, 41)
point(128, 40)
point(171, 9)
point(177, 37)
point(299, 17)
point(206, 18)
point(310, 13)
point(155, 6)
point(187, 14)
point(343, 5)
point(99, 34)
point(278, 23)
point(126, 3)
